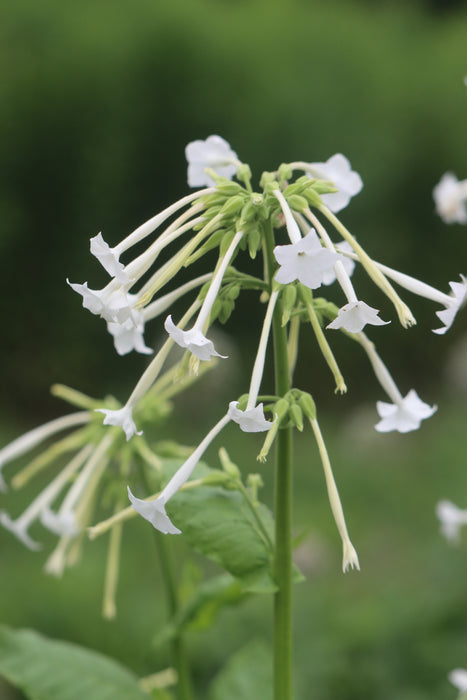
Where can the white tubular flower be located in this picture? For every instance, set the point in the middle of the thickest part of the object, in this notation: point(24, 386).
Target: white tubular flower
point(129, 335)
point(306, 261)
point(251, 420)
point(194, 339)
point(122, 417)
point(164, 302)
point(458, 678)
point(293, 229)
point(214, 153)
point(450, 197)
point(108, 258)
point(34, 437)
point(63, 526)
point(403, 416)
point(457, 300)
point(154, 511)
point(354, 316)
point(451, 520)
point(337, 169)
point(113, 304)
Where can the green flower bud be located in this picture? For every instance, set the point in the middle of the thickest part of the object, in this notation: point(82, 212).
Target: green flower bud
point(228, 466)
point(307, 405)
point(254, 242)
point(312, 197)
point(297, 202)
point(285, 172)
point(233, 205)
point(229, 188)
point(296, 416)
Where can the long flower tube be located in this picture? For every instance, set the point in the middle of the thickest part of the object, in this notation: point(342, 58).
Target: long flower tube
point(154, 511)
point(157, 307)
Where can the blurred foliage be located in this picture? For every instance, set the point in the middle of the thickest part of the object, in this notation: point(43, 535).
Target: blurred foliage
point(97, 101)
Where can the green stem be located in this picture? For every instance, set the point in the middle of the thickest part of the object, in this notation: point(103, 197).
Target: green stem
point(178, 652)
point(283, 645)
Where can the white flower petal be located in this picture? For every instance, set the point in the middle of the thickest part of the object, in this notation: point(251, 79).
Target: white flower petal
point(214, 153)
point(451, 520)
point(450, 197)
point(458, 296)
point(154, 512)
point(306, 261)
point(62, 525)
point(193, 340)
point(251, 420)
point(458, 677)
point(108, 259)
point(19, 528)
point(122, 417)
point(337, 169)
point(404, 416)
point(354, 316)
point(129, 336)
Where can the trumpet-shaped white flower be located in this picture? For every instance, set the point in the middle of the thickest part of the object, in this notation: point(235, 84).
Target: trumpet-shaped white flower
point(458, 678)
point(450, 197)
point(122, 417)
point(193, 340)
point(354, 316)
point(404, 415)
point(113, 304)
point(214, 153)
point(108, 258)
point(337, 169)
point(306, 261)
point(154, 511)
point(458, 298)
point(451, 519)
point(251, 420)
point(129, 335)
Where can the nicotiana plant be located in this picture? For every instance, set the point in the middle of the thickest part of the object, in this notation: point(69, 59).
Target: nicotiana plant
point(290, 219)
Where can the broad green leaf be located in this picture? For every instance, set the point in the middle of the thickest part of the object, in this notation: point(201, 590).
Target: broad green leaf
point(46, 669)
point(200, 610)
point(247, 675)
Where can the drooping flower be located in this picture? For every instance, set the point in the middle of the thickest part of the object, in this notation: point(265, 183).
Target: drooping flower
point(457, 299)
point(154, 511)
point(451, 519)
point(450, 195)
point(113, 304)
point(337, 169)
point(193, 340)
point(122, 417)
point(404, 415)
point(214, 153)
point(306, 261)
point(251, 420)
point(458, 678)
point(354, 316)
point(129, 335)
point(108, 258)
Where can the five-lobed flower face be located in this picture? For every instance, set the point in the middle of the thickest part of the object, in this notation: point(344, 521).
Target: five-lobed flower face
point(213, 153)
point(404, 416)
point(337, 169)
point(306, 261)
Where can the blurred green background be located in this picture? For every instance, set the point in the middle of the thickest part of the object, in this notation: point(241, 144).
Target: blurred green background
point(97, 102)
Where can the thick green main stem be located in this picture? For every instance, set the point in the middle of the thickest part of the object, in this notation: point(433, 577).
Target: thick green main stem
point(283, 645)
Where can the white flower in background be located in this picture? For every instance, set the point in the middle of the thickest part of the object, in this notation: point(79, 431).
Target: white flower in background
point(306, 261)
point(403, 416)
point(329, 276)
point(251, 420)
point(451, 519)
point(354, 316)
point(337, 169)
point(214, 153)
point(154, 511)
point(450, 195)
point(108, 259)
point(129, 336)
point(458, 677)
point(193, 340)
point(458, 298)
point(122, 417)
point(61, 525)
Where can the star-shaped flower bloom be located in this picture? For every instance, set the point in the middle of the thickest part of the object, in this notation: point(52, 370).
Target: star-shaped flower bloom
point(450, 197)
point(214, 153)
point(113, 305)
point(108, 259)
point(122, 417)
point(154, 513)
point(451, 519)
point(193, 340)
point(306, 261)
point(354, 316)
point(337, 170)
point(129, 336)
point(458, 677)
point(447, 315)
point(403, 416)
point(251, 420)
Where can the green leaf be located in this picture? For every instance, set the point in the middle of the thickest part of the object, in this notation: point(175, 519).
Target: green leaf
point(247, 675)
point(46, 669)
point(200, 610)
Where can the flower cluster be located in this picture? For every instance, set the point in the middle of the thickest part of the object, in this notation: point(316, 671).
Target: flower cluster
point(227, 215)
